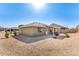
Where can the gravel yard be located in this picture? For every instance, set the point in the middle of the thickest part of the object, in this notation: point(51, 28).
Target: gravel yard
point(44, 47)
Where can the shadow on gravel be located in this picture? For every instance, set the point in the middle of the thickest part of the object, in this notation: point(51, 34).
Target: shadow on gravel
point(27, 39)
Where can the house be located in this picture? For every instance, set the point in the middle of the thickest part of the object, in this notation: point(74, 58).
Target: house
point(1, 29)
point(58, 28)
point(72, 30)
point(33, 29)
point(11, 29)
point(77, 28)
point(14, 29)
point(38, 29)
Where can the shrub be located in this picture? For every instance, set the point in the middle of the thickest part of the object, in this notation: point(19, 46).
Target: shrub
point(67, 35)
point(7, 35)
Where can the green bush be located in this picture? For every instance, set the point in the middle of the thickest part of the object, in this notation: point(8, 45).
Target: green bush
point(7, 35)
point(67, 35)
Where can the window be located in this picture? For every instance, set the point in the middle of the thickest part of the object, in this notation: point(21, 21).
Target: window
point(40, 30)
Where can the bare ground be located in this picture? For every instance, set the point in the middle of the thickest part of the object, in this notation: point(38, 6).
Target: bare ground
point(46, 47)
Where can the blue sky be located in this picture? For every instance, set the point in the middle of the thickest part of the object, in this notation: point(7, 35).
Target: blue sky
point(13, 14)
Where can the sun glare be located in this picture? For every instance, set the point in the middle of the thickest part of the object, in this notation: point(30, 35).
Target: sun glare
point(38, 5)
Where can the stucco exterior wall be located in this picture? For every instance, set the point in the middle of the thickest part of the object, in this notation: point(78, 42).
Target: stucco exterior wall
point(31, 31)
point(55, 29)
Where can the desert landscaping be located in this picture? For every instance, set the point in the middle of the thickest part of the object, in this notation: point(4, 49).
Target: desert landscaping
point(39, 29)
point(45, 47)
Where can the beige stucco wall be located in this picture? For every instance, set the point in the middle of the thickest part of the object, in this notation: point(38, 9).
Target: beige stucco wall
point(58, 29)
point(31, 31)
point(36, 32)
point(55, 29)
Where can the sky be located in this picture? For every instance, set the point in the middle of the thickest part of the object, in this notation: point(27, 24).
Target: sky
point(14, 14)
